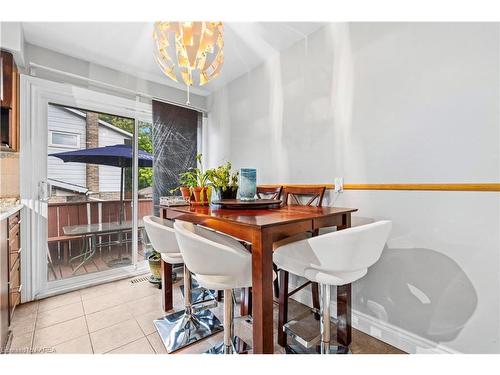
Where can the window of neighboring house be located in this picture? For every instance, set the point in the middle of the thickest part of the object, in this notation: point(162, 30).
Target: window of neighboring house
point(64, 139)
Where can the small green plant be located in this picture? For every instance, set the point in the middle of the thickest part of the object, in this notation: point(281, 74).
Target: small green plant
point(193, 177)
point(222, 178)
point(154, 255)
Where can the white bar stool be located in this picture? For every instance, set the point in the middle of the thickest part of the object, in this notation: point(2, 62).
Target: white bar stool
point(195, 322)
point(336, 258)
point(218, 262)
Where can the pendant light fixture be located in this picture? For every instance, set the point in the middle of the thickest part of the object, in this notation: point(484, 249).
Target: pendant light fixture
point(189, 52)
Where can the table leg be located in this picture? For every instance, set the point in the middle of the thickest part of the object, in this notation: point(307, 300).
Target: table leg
point(344, 300)
point(315, 298)
point(262, 293)
point(283, 307)
point(220, 295)
point(246, 302)
point(344, 314)
point(166, 286)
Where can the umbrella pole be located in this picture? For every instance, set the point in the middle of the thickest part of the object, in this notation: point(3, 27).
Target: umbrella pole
point(121, 195)
point(119, 261)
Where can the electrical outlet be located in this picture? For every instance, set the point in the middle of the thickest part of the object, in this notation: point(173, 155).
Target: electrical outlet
point(339, 184)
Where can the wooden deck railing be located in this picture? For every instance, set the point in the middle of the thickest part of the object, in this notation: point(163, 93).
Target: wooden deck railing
point(90, 212)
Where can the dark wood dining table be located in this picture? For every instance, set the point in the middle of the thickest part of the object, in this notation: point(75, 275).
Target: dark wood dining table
point(262, 227)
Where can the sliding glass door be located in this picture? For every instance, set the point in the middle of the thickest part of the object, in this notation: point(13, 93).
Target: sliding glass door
point(90, 179)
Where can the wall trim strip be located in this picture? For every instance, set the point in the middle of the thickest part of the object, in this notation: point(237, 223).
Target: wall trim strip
point(495, 187)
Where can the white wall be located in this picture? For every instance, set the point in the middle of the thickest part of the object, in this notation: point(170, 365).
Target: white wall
point(389, 103)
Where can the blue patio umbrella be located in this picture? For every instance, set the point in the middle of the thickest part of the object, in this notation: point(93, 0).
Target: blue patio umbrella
point(115, 156)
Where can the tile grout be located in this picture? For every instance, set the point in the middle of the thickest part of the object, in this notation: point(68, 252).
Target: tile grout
point(32, 342)
point(121, 346)
point(87, 324)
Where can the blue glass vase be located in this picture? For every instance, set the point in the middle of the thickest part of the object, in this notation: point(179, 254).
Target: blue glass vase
point(248, 184)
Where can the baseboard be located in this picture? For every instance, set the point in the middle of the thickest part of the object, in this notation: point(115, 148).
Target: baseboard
point(388, 333)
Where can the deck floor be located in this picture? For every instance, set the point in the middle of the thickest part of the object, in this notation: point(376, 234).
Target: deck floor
point(63, 268)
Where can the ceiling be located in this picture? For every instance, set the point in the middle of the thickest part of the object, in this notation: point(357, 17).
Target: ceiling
point(128, 46)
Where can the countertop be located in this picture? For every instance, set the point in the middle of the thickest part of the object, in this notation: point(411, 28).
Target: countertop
point(7, 211)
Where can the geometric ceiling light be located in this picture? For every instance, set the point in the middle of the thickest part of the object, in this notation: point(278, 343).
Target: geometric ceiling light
point(191, 52)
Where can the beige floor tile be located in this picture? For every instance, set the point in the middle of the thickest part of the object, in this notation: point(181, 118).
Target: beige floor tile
point(115, 336)
point(23, 325)
point(104, 302)
point(155, 341)
point(21, 343)
point(98, 291)
point(108, 317)
point(145, 305)
point(146, 321)
point(58, 333)
point(137, 291)
point(80, 345)
point(121, 314)
point(141, 346)
point(26, 310)
point(59, 315)
point(58, 301)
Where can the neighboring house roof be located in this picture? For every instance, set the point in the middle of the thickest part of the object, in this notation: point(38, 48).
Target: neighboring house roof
point(147, 191)
point(67, 186)
point(101, 122)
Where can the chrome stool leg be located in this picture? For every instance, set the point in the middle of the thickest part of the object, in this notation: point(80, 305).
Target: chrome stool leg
point(324, 346)
point(324, 322)
point(232, 344)
point(187, 326)
point(199, 294)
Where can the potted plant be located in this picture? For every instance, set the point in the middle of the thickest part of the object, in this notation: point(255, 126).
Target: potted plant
point(200, 190)
point(154, 260)
point(223, 181)
point(187, 181)
point(194, 184)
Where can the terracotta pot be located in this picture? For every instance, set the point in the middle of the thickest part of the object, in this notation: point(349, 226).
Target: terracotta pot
point(186, 193)
point(197, 193)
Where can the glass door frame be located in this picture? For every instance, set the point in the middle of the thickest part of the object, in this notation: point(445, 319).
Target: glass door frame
point(36, 95)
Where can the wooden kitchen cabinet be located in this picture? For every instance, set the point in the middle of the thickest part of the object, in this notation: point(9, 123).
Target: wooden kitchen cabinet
point(4, 285)
point(6, 69)
point(10, 274)
point(9, 122)
point(15, 285)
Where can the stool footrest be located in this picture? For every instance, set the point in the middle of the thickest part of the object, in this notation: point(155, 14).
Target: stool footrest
point(203, 305)
point(297, 328)
point(200, 295)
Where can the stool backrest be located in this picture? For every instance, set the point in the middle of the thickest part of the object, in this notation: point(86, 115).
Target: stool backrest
point(206, 252)
point(161, 234)
point(350, 249)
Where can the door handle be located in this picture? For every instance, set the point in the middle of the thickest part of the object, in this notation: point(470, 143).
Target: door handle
point(43, 191)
